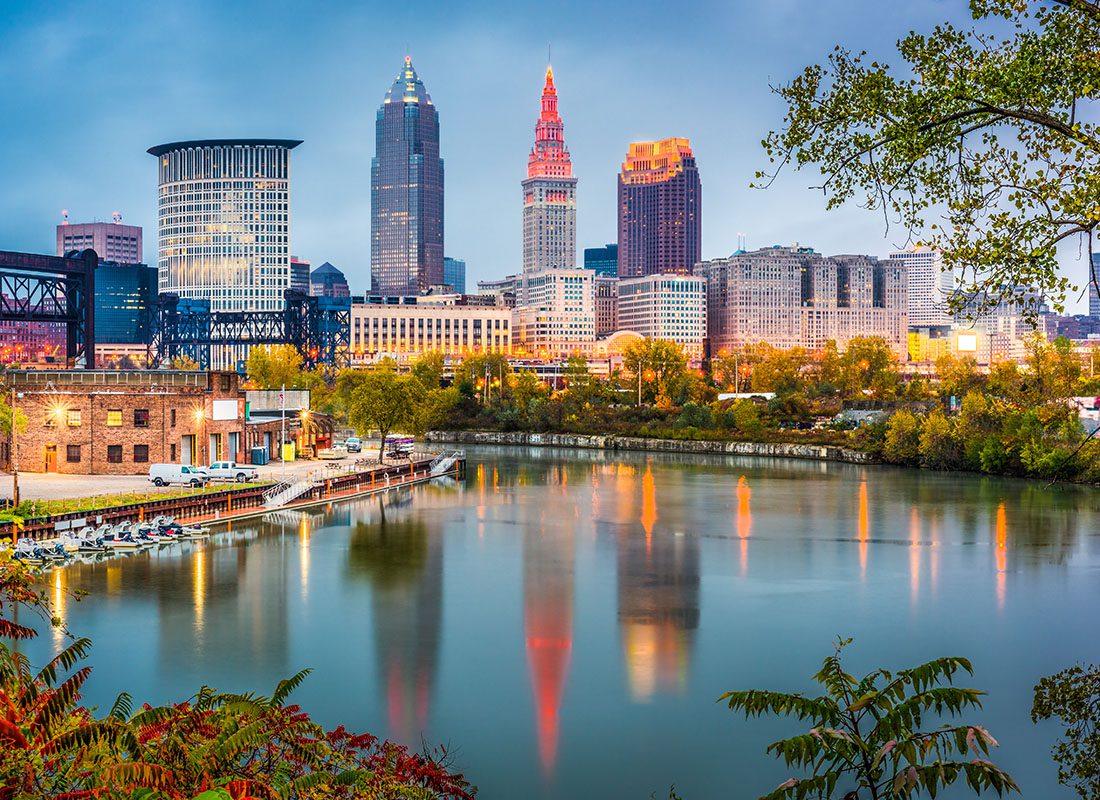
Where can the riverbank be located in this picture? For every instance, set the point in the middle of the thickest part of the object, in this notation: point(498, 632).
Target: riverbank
point(638, 443)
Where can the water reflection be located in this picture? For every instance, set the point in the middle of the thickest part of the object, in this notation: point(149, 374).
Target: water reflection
point(744, 519)
point(1001, 551)
point(404, 564)
point(658, 600)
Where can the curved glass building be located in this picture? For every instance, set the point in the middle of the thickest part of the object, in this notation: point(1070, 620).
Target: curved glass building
point(224, 221)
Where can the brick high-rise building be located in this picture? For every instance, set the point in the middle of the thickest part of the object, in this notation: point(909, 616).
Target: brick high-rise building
point(112, 241)
point(549, 192)
point(660, 209)
point(406, 191)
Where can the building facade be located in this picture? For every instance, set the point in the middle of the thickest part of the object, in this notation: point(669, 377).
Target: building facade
point(603, 260)
point(124, 295)
point(607, 304)
point(555, 313)
point(407, 330)
point(328, 281)
point(224, 221)
point(549, 192)
point(1094, 282)
point(299, 274)
point(671, 307)
point(454, 274)
point(406, 190)
point(660, 210)
point(795, 297)
point(112, 241)
point(93, 422)
point(930, 285)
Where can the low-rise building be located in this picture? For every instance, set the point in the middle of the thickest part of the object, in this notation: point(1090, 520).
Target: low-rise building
point(404, 331)
point(670, 307)
point(118, 422)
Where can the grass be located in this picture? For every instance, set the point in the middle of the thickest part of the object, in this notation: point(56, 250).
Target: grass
point(48, 508)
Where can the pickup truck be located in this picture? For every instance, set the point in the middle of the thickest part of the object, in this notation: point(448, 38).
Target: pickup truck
point(231, 471)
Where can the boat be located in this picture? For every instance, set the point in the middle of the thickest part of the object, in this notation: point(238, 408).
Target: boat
point(28, 551)
point(89, 541)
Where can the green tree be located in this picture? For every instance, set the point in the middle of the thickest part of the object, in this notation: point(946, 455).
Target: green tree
point(778, 370)
point(868, 365)
point(958, 375)
point(385, 401)
point(1055, 369)
point(1073, 696)
point(660, 364)
point(486, 373)
point(428, 369)
point(902, 444)
point(866, 734)
point(938, 449)
point(992, 128)
point(275, 366)
point(527, 390)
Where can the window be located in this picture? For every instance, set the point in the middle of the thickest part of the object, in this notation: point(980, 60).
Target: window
point(173, 417)
point(72, 454)
point(225, 381)
point(50, 419)
point(114, 454)
point(141, 453)
point(73, 417)
point(114, 418)
point(173, 458)
point(141, 418)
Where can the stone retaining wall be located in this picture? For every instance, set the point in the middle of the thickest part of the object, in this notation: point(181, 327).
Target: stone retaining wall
point(774, 450)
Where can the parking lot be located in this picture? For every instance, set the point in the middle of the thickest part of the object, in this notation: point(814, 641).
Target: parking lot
point(41, 486)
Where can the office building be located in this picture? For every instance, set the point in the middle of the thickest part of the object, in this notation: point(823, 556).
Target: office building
point(555, 313)
point(328, 281)
point(404, 328)
point(224, 221)
point(930, 285)
point(112, 241)
point(124, 295)
point(607, 304)
point(299, 274)
point(549, 192)
point(660, 210)
point(406, 190)
point(454, 274)
point(504, 289)
point(603, 260)
point(670, 307)
point(795, 297)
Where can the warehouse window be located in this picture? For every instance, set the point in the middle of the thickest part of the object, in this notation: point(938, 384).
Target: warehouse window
point(72, 454)
point(114, 454)
point(114, 418)
point(74, 418)
point(141, 453)
point(141, 418)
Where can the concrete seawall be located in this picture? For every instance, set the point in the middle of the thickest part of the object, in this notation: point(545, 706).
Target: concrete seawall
point(771, 450)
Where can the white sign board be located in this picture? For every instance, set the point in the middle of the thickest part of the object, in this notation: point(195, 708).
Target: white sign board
point(225, 409)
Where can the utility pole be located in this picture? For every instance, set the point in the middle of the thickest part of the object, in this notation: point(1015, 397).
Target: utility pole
point(14, 455)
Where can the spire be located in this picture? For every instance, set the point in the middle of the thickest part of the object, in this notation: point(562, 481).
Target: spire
point(549, 157)
point(549, 79)
point(407, 86)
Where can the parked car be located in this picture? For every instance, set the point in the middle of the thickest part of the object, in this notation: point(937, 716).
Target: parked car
point(231, 471)
point(164, 474)
point(354, 444)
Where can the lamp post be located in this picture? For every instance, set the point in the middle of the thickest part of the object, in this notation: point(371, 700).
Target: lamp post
point(14, 453)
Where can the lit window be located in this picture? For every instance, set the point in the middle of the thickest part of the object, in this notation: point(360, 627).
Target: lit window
point(73, 418)
point(114, 418)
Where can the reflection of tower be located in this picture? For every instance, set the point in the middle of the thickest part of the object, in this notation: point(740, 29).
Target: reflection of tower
point(405, 564)
point(548, 626)
point(658, 599)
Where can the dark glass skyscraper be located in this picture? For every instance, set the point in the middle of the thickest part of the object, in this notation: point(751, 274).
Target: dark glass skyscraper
point(660, 209)
point(406, 191)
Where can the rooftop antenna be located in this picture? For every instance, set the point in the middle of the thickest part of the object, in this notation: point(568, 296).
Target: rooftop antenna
point(64, 216)
point(117, 217)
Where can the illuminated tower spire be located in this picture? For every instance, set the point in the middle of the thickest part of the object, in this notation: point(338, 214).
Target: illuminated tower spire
point(549, 193)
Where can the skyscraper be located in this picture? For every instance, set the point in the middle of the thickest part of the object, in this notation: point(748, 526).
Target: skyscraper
point(930, 286)
point(454, 274)
point(603, 260)
point(1094, 279)
point(549, 192)
point(224, 221)
point(660, 209)
point(406, 191)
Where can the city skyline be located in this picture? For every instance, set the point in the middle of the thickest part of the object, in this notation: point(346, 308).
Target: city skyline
point(614, 93)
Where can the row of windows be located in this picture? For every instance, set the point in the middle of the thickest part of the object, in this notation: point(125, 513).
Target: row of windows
point(74, 417)
point(114, 453)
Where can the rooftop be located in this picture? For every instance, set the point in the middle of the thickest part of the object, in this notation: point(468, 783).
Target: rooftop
point(193, 144)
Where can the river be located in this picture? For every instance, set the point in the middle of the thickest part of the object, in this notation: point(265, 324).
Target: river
point(564, 620)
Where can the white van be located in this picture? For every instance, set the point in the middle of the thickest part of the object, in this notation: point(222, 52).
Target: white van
point(164, 474)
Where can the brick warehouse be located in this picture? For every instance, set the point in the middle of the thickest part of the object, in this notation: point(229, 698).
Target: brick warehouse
point(118, 422)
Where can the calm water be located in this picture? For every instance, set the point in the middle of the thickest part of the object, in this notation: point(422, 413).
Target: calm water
point(564, 621)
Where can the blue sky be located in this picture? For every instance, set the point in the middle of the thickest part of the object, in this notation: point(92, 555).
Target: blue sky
point(88, 87)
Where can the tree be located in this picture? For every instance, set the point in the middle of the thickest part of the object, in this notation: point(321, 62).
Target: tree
point(275, 366)
point(428, 369)
point(902, 444)
point(994, 133)
point(185, 363)
point(661, 364)
point(385, 401)
point(1055, 369)
point(958, 375)
point(778, 370)
point(868, 365)
point(483, 372)
point(1073, 696)
point(938, 449)
point(865, 735)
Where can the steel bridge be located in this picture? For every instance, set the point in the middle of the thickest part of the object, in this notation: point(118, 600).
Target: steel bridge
point(318, 327)
point(37, 288)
